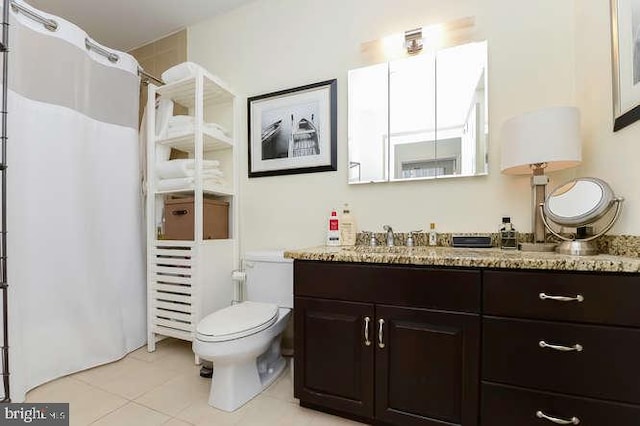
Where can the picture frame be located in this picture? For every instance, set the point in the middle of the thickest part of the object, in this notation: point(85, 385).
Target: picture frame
point(625, 56)
point(293, 131)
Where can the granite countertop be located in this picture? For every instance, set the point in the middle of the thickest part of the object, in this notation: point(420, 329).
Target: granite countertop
point(466, 257)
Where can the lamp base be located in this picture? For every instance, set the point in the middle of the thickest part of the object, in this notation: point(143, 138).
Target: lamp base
point(537, 247)
point(578, 248)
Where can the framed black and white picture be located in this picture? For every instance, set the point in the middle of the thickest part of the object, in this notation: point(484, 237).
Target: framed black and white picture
point(293, 131)
point(625, 36)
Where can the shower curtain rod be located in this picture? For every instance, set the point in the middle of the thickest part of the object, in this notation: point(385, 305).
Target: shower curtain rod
point(146, 77)
point(3, 220)
point(112, 57)
point(52, 25)
point(49, 24)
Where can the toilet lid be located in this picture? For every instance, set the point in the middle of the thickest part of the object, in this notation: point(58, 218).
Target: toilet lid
point(237, 321)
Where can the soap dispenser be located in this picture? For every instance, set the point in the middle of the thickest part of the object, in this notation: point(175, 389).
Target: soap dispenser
point(348, 229)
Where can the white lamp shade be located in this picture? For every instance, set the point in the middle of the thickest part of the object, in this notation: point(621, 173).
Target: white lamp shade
point(549, 135)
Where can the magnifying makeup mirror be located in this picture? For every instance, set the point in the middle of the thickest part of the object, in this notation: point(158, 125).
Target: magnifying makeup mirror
point(578, 204)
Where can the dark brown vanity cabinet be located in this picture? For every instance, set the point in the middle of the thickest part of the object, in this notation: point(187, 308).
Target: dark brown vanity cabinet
point(333, 369)
point(400, 345)
point(388, 344)
point(560, 348)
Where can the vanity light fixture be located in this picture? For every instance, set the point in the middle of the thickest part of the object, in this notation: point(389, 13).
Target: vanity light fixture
point(413, 41)
point(536, 142)
point(417, 40)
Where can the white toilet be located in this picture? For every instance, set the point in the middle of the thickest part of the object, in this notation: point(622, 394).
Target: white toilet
point(243, 340)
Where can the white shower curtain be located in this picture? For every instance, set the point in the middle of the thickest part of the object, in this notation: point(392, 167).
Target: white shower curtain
point(76, 254)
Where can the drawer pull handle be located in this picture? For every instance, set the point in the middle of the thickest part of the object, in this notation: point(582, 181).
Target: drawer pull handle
point(380, 335)
point(572, 421)
point(578, 298)
point(179, 212)
point(367, 342)
point(576, 347)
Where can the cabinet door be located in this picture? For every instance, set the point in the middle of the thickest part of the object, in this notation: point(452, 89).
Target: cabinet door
point(426, 367)
point(333, 363)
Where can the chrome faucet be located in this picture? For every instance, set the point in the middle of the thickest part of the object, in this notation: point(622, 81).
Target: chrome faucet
point(389, 231)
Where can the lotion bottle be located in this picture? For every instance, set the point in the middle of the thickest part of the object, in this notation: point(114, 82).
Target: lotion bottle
point(348, 227)
point(333, 232)
point(433, 235)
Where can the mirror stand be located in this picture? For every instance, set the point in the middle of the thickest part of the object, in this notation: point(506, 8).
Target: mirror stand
point(581, 246)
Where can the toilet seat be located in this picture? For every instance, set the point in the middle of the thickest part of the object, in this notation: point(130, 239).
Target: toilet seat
point(237, 321)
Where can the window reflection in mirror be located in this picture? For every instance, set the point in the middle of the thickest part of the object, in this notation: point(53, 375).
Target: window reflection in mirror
point(420, 117)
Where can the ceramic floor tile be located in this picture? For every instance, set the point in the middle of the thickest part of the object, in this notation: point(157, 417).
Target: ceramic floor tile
point(182, 361)
point(166, 384)
point(137, 381)
point(86, 403)
point(202, 414)
point(177, 394)
point(108, 372)
point(163, 348)
point(60, 390)
point(134, 415)
point(297, 416)
point(267, 411)
point(176, 422)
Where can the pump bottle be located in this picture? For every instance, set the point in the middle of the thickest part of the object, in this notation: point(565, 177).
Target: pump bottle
point(333, 231)
point(348, 227)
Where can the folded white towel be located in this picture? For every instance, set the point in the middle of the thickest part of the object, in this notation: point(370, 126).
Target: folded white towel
point(180, 120)
point(164, 112)
point(181, 71)
point(188, 183)
point(184, 168)
point(175, 184)
point(216, 181)
point(174, 132)
point(216, 129)
point(185, 129)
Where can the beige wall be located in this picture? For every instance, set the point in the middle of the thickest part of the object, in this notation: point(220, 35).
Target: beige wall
point(611, 156)
point(160, 55)
point(541, 53)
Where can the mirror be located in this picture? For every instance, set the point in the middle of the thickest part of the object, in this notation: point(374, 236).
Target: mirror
point(420, 117)
point(579, 202)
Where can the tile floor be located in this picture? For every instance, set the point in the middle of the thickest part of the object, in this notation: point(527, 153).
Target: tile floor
point(164, 388)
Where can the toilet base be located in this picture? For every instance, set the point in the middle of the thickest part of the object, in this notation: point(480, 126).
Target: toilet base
point(234, 384)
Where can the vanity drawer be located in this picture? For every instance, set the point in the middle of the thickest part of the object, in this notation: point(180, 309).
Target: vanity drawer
point(509, 406)
point(433, 288)
point(604, 368)
point(607, 298)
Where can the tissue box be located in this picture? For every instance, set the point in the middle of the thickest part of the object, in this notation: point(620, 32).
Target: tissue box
point(179, 219)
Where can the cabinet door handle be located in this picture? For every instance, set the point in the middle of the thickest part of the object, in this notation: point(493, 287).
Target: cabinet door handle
point(367, 342)
point(571, 421)
point(578, 298)
point(576, 347)
point(179, 212)
point(380, 333)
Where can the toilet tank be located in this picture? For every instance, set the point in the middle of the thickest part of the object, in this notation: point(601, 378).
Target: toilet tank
point(269, 278)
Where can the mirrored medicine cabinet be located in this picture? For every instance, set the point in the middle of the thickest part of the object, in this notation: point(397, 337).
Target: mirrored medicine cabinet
point(420, 117)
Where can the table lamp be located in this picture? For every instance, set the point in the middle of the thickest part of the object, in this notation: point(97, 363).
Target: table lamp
point(536, 142)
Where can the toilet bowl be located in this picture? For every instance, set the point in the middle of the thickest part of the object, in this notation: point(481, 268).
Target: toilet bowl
point(243, 340)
